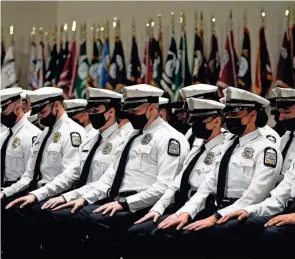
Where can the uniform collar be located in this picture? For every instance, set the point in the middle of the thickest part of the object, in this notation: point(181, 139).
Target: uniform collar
point(154, 124)
point(248, 137)
point(88, 127)
point(126, 127)
point(213, 142)
point(105, 135)
point(61, 120)
point(19, 125)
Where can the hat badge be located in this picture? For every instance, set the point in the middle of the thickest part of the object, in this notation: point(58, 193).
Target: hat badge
point(228, 93)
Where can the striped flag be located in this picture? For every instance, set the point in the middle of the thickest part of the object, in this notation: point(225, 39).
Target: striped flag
point(51, 70)
point(8, 71)
point(33, 63)
point(134, 68)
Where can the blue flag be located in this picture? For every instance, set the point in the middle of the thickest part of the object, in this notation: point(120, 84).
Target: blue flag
point(104, 64)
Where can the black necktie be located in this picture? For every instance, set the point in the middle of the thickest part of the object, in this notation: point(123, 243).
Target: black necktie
point(114, 190)
point(191, 140)
point(222, 172)
point(287, 146)
point(3, 155)
point(184, 184)
point(86, 167)
point(37, 173)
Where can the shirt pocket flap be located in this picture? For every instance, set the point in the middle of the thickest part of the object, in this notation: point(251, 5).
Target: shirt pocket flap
point(54, 147)
point(145, 149)
point(14, 153)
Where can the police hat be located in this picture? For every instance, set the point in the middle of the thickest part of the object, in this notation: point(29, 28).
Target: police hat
point(75, 106)
point(96, 97)
point(285, 97)
point(201, 91)
point(9, 95)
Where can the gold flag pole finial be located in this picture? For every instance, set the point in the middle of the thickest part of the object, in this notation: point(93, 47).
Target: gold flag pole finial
point(97, 31)
point(263, 14)
point(46, 36)
point(33, 33)
point(287, 15)
point(133, 29)
point(172, 22)
point(230, 20)
point(116, 26)
point(54, 33)
point(147, 25)
point(213, 22)
point(245, 18)
point(102, 31)
point(65, 29)
point(74, 28)
point(196, 20)
point(41, 33)
point(11, 33)
point(182, 20)
point(152, 26)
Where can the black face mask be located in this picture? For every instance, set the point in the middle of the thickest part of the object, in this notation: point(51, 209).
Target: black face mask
point(289, 124)
point(9, 119)
point(97, 120)
point(138, 121)
point(50, 120)
point(234, 125)
point(200, 131)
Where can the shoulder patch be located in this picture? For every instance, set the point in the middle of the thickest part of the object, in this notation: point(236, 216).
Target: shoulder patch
point(173, 147)
point(270, 157)
point(271, 138)
point(76, 139)
point(33, 140)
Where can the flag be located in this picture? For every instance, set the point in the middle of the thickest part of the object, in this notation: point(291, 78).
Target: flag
point(199, 63)
point(33, 63)
point(61, 59)
point(93, 69)
point(229, 65)
point(263, 77)
point(51, 70)
point(157, 60)
point(244, 75)
point(83, 71)
point(40, 69)
point(47, 55)
point(285, 65)
point(117, 72)
point(134, 67)
point(67, 77)
point(168, 75)
point(8, 71)
point(104, 64)
point(2, 52)
point(147, 65)
point(213, 62)
point(182, 75)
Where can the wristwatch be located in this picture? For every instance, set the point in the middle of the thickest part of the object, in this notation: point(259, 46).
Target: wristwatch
point(217, 215)
point(123, 202)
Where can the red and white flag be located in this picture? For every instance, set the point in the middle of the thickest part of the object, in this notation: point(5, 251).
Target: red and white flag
point(229, 65)
point(69, 73)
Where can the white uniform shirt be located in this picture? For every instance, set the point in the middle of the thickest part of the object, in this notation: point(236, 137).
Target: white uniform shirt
point(250, 177)
point(276, 203)
point(18, 148)
point(59, 155)
point(290, 154)
point(203, 166)
point(154, 159)
point(112, 139)
point(270, 134)
point(90, 130)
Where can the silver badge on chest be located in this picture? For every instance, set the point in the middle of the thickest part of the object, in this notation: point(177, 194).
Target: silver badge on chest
point(15, 142)
point(146, 139)
point(107, 148)
point(248, 152)
point(209, 158)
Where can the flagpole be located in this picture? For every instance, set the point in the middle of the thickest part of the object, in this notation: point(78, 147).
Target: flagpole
point(245, 18)
point(172, 22)
point(196, 21)
point(182, 24)
point(11, 33)
point(213, 24)
point(65, 30)
point(263, 14)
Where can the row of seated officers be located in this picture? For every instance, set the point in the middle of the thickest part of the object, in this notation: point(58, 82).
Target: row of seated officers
point(108, 177)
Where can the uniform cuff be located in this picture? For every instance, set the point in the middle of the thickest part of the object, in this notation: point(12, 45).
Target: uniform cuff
point(158, 208)
point(39, 194)
point(8, 192)
point(192, 213)
point(225, 211)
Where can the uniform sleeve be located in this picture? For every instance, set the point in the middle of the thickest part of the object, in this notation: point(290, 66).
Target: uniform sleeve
point(70, 172)
point(168, 197)
point(197, 202)
point(276, 203)
point(263, 181)
point(169, 165)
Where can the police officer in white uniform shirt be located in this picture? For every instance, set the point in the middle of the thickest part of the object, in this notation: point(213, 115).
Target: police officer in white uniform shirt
point(75, 109)
point(244, 174)
point(54, 152)
point(17, 140)
point(285, 103)
point(269, 225)
point(206, 119)
point(150, 160)
point(200, 91)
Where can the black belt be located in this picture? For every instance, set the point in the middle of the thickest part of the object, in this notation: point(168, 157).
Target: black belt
point(227, 202)
point(124, 194)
